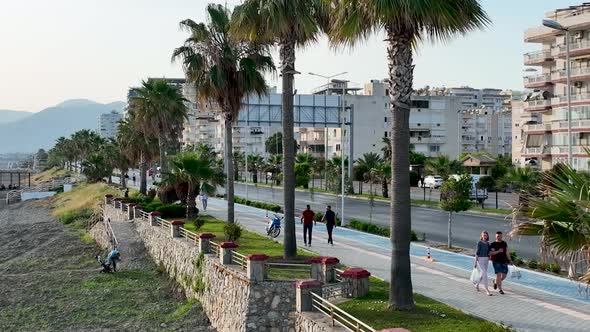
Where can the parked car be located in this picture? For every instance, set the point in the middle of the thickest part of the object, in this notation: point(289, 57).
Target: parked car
point(478, 195)
point(432, 181)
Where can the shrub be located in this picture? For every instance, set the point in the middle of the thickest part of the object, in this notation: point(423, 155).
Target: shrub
point(373, 229)
point(172, 211)
point(543, 266)
point(532, 264)
point(513, 255)
point(152, 194)
point(518, 262)
point(71, 216)
point(318, 217)
point(260, 205)
point(555, 268)
point(413, 236)
point(153, 206)
point(198, 223)
point(232, 231)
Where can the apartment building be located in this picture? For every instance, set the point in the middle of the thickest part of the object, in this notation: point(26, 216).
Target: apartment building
point(546, 137)
point(108, 124)
point(485, 120)
point(204, 121)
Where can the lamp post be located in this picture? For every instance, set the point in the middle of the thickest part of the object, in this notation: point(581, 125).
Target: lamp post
point(341, 132)
point(556, 26)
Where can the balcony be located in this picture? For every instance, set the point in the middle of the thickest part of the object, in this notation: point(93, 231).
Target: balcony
point(579, 125)
point(538, 151)
point(537, 105)
point(576, 99)
point(577, 74)
point(563, 150)
point(578, 48)
point(539, 128)
point(537, 81)
point(538, 57)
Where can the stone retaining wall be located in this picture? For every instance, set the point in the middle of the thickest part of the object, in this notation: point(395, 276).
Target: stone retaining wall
point(230, 300)
point(100, 234)
point(315, 322)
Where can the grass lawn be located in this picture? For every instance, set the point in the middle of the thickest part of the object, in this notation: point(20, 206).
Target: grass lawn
point(429, 315)
point(249, 242)
point(85, 196)
point(49, 175)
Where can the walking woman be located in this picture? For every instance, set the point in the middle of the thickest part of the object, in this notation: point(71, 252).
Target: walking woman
point(482, 259)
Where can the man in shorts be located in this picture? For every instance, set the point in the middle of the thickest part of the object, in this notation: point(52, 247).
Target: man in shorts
point(307, 220)
point(500, 260)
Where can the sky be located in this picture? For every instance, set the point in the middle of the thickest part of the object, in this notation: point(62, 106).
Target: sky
point(51, 51)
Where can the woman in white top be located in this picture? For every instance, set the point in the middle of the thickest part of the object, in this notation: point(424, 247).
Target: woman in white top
point(482, 258)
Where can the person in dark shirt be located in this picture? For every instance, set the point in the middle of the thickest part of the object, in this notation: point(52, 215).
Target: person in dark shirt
point(330, 219)
point(308, 222)
point(500, 260)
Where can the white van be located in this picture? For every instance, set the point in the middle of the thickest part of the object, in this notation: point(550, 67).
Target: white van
point(478, 195)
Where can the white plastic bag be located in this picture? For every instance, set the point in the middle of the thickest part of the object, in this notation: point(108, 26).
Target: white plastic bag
point(514, 272)
point(474, 276)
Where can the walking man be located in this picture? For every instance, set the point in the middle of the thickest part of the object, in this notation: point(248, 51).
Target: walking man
point(134, 179)
point(204, 200)
point(308, 222)
point(330, 219)
point(500, 260)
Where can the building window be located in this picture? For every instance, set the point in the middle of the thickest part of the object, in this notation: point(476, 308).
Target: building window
point(386, 119)
point(385, 134)
point(337, 147)
point(420, 104)
point(438, 124)
point(435, 148)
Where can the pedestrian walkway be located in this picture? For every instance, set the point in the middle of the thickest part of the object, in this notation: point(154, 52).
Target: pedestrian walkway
point(536, 302)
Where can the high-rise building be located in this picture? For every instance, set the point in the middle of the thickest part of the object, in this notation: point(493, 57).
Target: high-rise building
point(108, 124)
point(545, 136)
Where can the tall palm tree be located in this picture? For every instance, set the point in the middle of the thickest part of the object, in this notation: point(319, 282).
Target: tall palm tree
point(370, 165)
point(255, 161)
point(274, 165)
point(161, 110)
point(239, 159)
point(199, 173)
point(406, 23)
point(290, 24)
point(224, 70)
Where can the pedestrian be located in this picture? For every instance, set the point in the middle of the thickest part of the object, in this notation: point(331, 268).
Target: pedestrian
point(482, 259)
point(307, 219)
point(500, 260)
point(330, 219)
point(133, 178)
point(204, 200)
point(126, 194)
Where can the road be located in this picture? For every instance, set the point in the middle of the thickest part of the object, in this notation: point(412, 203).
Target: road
point(433, 222)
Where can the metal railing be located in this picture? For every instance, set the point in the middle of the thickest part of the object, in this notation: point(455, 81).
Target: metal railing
point(288, 271)
point(163, 222)
point(144, 214)
point(239, 259)
point(338, 274)
point(339, 316)
point(214, 248)
point(537, 78)
point(537, 56)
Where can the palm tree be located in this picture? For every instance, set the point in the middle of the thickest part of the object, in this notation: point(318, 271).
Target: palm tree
point(239, 159)
point(224, 70)
point(274, 165)
point(303, 169)
point(290, 24)
point(526, 180)
point(160, 110)
point(406, 23)
point(443, 166)
point(199, 173)
point(95, 167)
point(255, 161)
point(561, 219)
point(371, 165)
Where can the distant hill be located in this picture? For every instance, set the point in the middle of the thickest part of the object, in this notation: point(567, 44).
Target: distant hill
point(40, 130)
point(11, 116)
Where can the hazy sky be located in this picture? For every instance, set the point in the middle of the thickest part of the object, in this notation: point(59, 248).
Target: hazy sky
point(55, 50)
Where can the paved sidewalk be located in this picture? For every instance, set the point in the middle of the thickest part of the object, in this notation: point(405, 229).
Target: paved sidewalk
point(533, 303)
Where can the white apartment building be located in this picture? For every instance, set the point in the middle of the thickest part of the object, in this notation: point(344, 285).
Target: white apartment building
point(546, 137)
point(108, 124)
point(485, 120)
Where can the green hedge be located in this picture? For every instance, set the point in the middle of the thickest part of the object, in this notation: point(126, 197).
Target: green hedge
point(374, 229)
point(167, 210)
point(260, 205)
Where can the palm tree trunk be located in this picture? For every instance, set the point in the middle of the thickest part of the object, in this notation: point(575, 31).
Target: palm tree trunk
point(162, 148)
point(229, 162)
point(142, 174)
point(399, 56)
point(191, 203)
point(384, 187)
point(449, 231)
point(287, 55)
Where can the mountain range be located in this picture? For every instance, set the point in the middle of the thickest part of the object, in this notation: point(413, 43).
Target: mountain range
point(40, 130)
point(11, 116)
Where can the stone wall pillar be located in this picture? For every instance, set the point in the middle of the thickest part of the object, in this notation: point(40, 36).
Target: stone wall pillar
point(205, 242)
point(131, 211)
point(225, 252)
point(322, 268)
point(175, 227)
point(108, 199)
point(117, 203)
point(136, 211)
point(153, 216)
point(358, 279)
point(256, 267)
point(303, 297)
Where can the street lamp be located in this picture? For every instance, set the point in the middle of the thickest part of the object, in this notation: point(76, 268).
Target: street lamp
point(556, 26)
point(343, 82)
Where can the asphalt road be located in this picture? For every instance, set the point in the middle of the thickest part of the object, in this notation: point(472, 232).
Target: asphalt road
point(433, 222)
